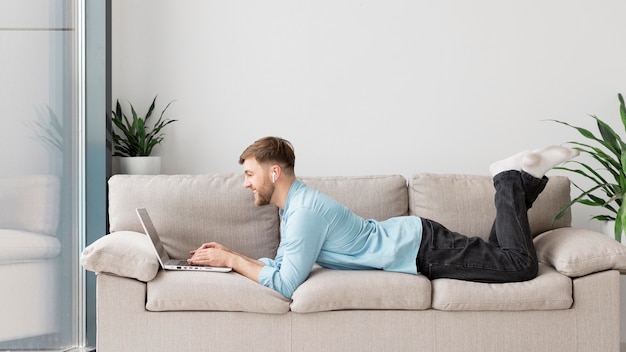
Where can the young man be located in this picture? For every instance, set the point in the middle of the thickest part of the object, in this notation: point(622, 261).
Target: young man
point(317, 229)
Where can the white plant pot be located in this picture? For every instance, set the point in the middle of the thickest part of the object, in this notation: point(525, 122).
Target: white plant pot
point(139, 165)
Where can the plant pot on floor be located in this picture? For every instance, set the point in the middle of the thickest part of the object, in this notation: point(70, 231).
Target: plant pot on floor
point(138, 165)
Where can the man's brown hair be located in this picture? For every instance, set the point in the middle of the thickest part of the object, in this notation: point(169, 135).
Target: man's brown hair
point(271, 150)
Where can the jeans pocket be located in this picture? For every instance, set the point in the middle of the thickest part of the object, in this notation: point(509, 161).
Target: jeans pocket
point(442, 238)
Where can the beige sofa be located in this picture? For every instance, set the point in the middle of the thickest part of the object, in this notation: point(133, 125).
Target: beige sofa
point(573, 305)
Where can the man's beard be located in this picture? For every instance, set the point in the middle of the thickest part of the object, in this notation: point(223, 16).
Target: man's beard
point(264, 194)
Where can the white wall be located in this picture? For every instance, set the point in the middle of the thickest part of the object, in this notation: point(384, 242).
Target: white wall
point(370, 87)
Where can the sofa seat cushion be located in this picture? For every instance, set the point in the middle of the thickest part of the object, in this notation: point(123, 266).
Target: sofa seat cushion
point(211, 291)
point(23, 246)
point(550, 290)
point(327, 290)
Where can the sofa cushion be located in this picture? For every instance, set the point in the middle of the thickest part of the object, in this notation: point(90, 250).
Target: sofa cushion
point(327, 290)
point(122, 253)
point(212, 291)
point(465, 203)
point(22, 246)
point(189, 210)
point(578, 252)
point(548, 291)
point(371, 197)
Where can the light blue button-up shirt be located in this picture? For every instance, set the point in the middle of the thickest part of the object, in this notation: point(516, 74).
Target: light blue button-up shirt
point(317, 229)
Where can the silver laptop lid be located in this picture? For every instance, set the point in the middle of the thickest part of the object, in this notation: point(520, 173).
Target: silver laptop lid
point(151, 232)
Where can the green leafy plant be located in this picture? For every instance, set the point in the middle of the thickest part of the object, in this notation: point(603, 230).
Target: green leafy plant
point(137, 138)
point(609, 151)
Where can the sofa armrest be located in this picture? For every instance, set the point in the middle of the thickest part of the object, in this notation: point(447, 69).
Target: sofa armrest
point(578, 252)
point(122, 253)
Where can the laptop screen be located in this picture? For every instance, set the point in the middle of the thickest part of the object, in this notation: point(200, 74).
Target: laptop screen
point(148, 227)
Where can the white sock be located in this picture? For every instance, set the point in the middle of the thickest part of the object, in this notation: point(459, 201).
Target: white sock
point(513, 162)
point(538, 162)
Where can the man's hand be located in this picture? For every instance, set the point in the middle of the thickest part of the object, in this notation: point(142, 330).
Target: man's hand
point(215, 254)
point(212, 253)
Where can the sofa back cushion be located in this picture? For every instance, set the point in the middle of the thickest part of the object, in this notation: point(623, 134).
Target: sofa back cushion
point(30, 203)
point(371, 197)
point(465, 203)
point(188, 210)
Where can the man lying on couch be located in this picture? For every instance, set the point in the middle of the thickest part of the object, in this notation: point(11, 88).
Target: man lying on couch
point(317, 229)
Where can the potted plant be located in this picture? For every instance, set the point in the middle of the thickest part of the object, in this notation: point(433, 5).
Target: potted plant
point(134, 144)
point(608, 151)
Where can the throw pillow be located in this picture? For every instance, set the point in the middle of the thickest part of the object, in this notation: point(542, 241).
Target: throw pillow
point(123, 253)
point(578, 252)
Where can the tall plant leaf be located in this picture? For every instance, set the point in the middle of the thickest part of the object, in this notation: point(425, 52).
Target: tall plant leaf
point(610, 155)
point(137, 137)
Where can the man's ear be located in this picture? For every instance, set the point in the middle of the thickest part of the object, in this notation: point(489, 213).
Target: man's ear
point(276, 171)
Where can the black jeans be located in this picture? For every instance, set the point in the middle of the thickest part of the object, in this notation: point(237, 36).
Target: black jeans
point(509, 254)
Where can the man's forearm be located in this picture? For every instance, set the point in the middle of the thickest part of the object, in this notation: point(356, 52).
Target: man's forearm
point(248, 267)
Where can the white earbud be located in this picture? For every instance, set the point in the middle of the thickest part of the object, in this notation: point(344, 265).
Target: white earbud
point(274, 177)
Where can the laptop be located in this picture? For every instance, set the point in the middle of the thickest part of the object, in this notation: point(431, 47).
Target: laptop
point(164, 258)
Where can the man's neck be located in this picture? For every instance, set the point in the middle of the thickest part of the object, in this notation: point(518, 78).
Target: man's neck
point(281, 191)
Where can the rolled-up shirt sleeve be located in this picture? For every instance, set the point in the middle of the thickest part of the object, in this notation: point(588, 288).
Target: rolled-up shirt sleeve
point(303, 234)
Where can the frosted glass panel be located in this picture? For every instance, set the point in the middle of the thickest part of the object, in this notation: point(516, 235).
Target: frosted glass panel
point(39, 169)
point(31, 14)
